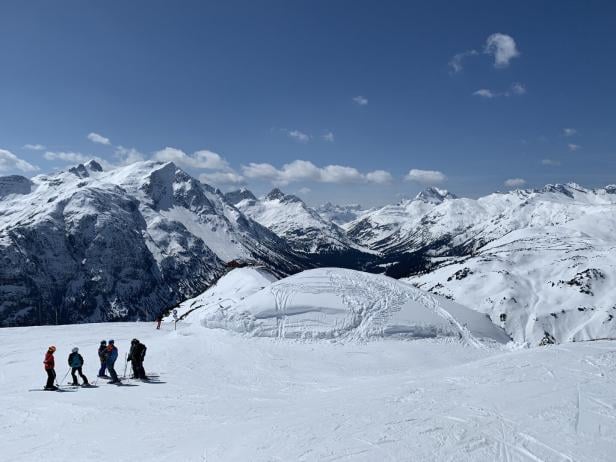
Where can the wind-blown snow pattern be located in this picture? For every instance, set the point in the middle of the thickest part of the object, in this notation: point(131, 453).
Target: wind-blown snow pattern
point(93, 245)
point(333, 303)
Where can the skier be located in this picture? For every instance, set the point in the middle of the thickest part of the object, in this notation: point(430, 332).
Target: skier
point(112, 355)
point(102, 355)
point(75, 361)
point(136, 356)
point(159, 319)
point(50, 364)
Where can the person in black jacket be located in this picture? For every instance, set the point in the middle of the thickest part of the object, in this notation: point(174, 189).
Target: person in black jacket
point(102, 355)
point(136, 355)
point(75, 360)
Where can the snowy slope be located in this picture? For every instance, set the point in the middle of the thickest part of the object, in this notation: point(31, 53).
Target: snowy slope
point(342, 304)
point(229, 290)
point(547, 282)
point(87, 244)
point(227, 397)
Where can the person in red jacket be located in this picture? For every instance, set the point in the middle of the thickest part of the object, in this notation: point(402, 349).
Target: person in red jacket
point(50, 364)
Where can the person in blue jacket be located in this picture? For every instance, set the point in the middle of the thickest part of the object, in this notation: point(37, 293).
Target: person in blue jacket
point(75, 361)
point(112, 355)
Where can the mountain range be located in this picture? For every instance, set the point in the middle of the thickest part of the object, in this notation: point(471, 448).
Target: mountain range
point(87, 244)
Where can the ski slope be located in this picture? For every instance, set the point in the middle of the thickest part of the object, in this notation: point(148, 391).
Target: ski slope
point(230, 397)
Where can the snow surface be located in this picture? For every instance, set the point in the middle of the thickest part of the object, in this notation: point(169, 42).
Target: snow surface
point(229, 397)
point(336, 303)
point(228, 290)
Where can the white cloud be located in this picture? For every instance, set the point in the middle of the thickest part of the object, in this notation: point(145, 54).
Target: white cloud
point(379, 177)
point(73, 157)
point(569, 131)
point(360, 100)
point(518, 89)
point(200, 159)
point(515, 182)
point(34, 147)
point(574, 147)
point(98, 139)
point(329, 136)
point(456, 62)
point(128, 155)
point(304, 191)
point(77, 158)
point(222, 178)
point(340, 174)
point(425, 176)
point(551, 162)
point(302, 170)
point(485, 93)
point(298, 136)
point(502, 47)
point(9, 161)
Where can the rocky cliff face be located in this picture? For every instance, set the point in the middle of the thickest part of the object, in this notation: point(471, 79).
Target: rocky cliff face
point(89, 245)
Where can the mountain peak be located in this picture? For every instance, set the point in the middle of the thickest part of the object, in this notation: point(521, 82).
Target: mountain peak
point(434, 195)
point(94, 166)
point(237, 196)
point(275, 194)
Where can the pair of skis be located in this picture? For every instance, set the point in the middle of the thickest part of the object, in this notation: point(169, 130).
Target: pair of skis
point(64, 388)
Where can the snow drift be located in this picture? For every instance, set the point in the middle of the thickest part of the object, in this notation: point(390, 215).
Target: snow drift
point(343, 304)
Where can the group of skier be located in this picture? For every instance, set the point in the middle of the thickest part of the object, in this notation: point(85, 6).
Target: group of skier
point(107, 353)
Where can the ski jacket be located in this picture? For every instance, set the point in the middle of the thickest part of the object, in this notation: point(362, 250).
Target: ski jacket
point(49, 361)
point(102, 354)
point(75, 360)
point(112, 354)
point(137, 352)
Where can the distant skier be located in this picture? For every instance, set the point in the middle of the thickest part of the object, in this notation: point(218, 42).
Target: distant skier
point(75, 361)
point(102, 355)
point(159, 319)
point(112, 356)
point(136, 356)
point(50, 364)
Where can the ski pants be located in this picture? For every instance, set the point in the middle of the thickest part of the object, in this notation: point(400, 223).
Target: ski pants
point(138, 370)
point(103, 368)
point(112, 372)
point(51, 377)
point(83, 377)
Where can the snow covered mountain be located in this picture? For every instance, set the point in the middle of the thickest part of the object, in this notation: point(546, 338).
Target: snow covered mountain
point(322, 241)
point(93, 245)
point(542, 261)
point(340, 214)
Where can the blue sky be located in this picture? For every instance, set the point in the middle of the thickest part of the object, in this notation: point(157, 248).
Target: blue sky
point(350, 96)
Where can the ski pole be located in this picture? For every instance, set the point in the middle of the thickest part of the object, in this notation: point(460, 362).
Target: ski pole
point(125, 364)
point(67, 371)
